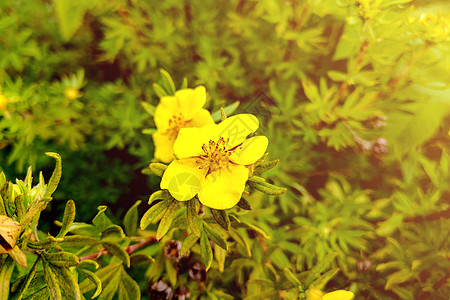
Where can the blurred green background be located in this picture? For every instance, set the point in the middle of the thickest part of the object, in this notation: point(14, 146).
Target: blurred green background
point(353, 95)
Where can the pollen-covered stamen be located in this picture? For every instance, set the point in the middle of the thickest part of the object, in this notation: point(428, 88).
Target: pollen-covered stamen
point(175, 124)
point(216, 155)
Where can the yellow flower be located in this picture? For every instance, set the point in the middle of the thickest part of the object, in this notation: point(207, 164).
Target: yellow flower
point(213, 161)
point(3, 102)
point(176, 112)
point(315, 294)
point(72, 93)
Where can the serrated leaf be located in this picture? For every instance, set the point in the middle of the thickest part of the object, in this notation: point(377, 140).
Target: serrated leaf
point(154, 212)
point(94, 279)
point(221, 217)
point(166, 221)
point(195, 222)
point(131, 219)
point(56, 175)
point(188, 242)
point(68, 218)
point(116, 250)
point(215, 237)
point(206, 251)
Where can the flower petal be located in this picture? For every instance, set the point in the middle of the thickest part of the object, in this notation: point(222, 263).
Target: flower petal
point(237, 127)
point(223, 189)
point(163, 146)
point(201, 118)
point(183, 179)
point(339, 295)
point(191, 100)
point(250, 151)
point(190, 140)
point(168, 107)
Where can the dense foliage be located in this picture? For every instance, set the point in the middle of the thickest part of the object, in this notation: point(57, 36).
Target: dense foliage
point(353, 96)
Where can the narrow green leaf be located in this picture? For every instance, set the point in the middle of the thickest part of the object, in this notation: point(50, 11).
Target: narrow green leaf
point(138, 258)
point(6, 269)
point(20, 208)
point(56, 175)
point(52, 282)
point(263, 167)
point(184, 84)
point(113, 231)
point(148, 108)
point(131, 219)
point(68, 282)
point(116, 250)
point(130, 287)
point(195, 222)
point(158, 168)
point(221, 218)
point(61, 259)
point(46, 243)
point(107, 274)
point(159, 195)
point(228, 111)
point(154, 212)
point(267, 188)
point(188, 242)
point(75, 241)
point(69, 16)
point(88, 264)
point(166, 221)
point(206, 251)
point(291, 277)
point(167, 82)
point(244, 204)
point(101, 221)
point(94, 279)
point(159, 91)
point(68, 218)
point(216, 237)
point(171, 273)
point(220, 255)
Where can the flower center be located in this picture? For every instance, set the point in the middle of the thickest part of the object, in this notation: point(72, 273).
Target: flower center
point(175, 124)
point(216, 156)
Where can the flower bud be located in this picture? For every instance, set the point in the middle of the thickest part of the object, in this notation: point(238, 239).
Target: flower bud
point(379, 146)
point(172, 250)
point(9, 233)
point(160, 291)
point(197, 272)
point(72, 93)
point(364, 265)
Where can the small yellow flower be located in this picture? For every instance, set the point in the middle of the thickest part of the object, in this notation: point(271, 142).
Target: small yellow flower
point(72, 93)
point(213, 161)
point(316, 294)
point(3, 102)
point(185, 109)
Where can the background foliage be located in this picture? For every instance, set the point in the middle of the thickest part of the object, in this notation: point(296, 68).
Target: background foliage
point(353, 95)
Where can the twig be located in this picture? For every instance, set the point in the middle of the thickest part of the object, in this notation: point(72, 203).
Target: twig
point(130, 249)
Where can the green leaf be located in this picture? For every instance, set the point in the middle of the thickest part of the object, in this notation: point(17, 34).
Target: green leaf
point(244, 204)
point(129, 289)
point(148, 108)
point(167, 82)
point(261, 168)
point(265, 187)
point(101, 221)
point(131, 219)
point(171, 273)
point(159, 195)
point(158, 168)
point(56, 175)
point(188, 242)
point(52, 282)
point(228, 111)
point(68, 283)
point(138, 258)
point(215, 237)
point(6, 269)
point(280, 259)
point(221, 218)
point(195, 222)
point(291, 277)
point(107, 274)
point(220, 255)
point(88, 264)
point(159, 91)
point(75, 241)
point(116, 250)
point(166, 221)
point(61, 259)
point(69, 15)
point(206, 251)
point(94, 279)
point(68, 218)
point(113, 231)
point(46, 243)
point(154, 212)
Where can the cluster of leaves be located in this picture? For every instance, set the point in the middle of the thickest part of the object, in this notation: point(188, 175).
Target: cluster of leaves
point(352, 94)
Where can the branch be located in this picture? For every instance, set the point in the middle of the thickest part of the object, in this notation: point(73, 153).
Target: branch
point(130, 249)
